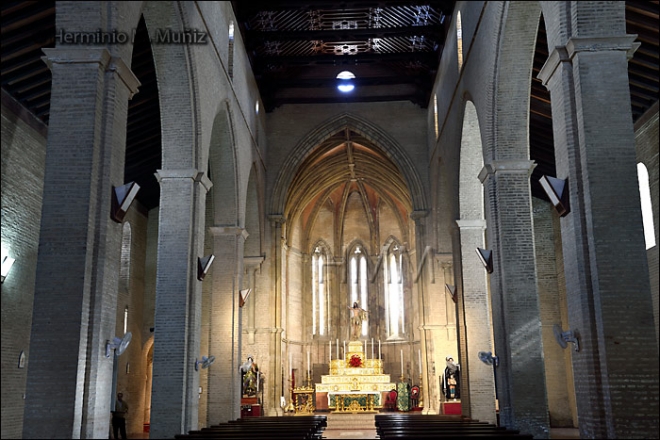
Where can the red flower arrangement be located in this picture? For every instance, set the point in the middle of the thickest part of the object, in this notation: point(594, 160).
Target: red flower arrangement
point(355, 361)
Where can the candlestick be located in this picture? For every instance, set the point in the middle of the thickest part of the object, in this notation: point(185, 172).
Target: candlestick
point(290, 364)
point(419, 353)
point(337, 348)
point(330, 351)
point(372, 348)
point(308, 361)
point(402, 363)
point(379, 356)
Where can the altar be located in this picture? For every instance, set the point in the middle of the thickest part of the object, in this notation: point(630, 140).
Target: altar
point(355, 383)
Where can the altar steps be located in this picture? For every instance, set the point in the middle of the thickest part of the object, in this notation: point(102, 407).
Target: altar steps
point(350, 426)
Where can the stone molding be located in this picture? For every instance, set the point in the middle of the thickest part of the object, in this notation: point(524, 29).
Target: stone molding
point(471, 224)
point(191, 173)
point(277, 219)
point(229, 230)
point(506, 166)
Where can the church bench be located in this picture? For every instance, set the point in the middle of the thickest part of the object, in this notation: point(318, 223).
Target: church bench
point(319, 421)
point(444, 429)
point(440, 436)
point(299, 428)
point(466, 432)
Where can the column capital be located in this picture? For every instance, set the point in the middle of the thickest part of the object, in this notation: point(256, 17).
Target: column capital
point(190, 173)
point(277, 219)
point(576, 45)
point(471, 224)
point(602, 44)
point(419, 214)
point(90, 55)
point(217, 231)
point(253, 262)
point(76, 55)
point(119, 67)
point(508, 167)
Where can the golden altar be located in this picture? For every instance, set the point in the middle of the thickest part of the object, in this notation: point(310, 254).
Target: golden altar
point(355, 383)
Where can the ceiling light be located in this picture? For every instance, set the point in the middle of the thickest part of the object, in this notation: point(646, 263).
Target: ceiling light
point(345, 81)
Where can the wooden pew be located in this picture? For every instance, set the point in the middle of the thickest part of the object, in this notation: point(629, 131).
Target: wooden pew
point(300, 427)
point(402, 426)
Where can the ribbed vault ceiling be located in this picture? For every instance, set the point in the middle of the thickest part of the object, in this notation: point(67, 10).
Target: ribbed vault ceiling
point(345, 163)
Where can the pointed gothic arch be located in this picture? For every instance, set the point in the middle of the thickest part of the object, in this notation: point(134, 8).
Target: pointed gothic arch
point(367, 129)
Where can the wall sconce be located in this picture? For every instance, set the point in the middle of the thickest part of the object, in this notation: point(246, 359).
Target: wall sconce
point(244, 296)
point(122, 197)
point(451, 290)
point(564, 337)
point(203, 266)
point(487, 358)
point(557, 191)
point(486, 257)
point(7, 262)
point(118, 344)
point(204, 363)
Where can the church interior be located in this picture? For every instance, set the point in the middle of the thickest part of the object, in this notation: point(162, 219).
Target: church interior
point(231, 210)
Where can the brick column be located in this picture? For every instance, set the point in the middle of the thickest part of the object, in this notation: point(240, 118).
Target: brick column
point(477, 381)
point(175, 398)
point(75, 296)
point(224, 376)
point(514, 296)
point(607, 282)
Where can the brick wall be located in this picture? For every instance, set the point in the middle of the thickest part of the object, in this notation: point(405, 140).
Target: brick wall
point(23, 163)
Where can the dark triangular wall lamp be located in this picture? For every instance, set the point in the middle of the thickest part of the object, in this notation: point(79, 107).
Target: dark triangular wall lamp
point(451, 290)
point(486, 257)
point(557, 191)
point(203, 266)
point(122, 197)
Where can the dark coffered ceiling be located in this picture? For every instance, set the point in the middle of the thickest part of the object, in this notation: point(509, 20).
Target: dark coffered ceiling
point(296, 49)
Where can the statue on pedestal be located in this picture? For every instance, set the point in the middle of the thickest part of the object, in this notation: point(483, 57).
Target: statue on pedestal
point(251, 377)
point(358, 315)
point(451, 380)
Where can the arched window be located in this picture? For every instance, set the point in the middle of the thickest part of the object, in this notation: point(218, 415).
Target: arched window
point(459, 39)
point(393, 281)
point(435, 116)
point(359, 282)
point(230, 55)
point(647, 206)
point(320, 300)
point(125, 268)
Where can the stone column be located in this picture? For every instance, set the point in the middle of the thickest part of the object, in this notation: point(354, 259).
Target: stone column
point(68, 390)
point(225, 385)
point(425, 261)
point(252, 266)
point(276, 359)
point(514, 296)
point(607, 282)
point(477, 380)
point(175, 398)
